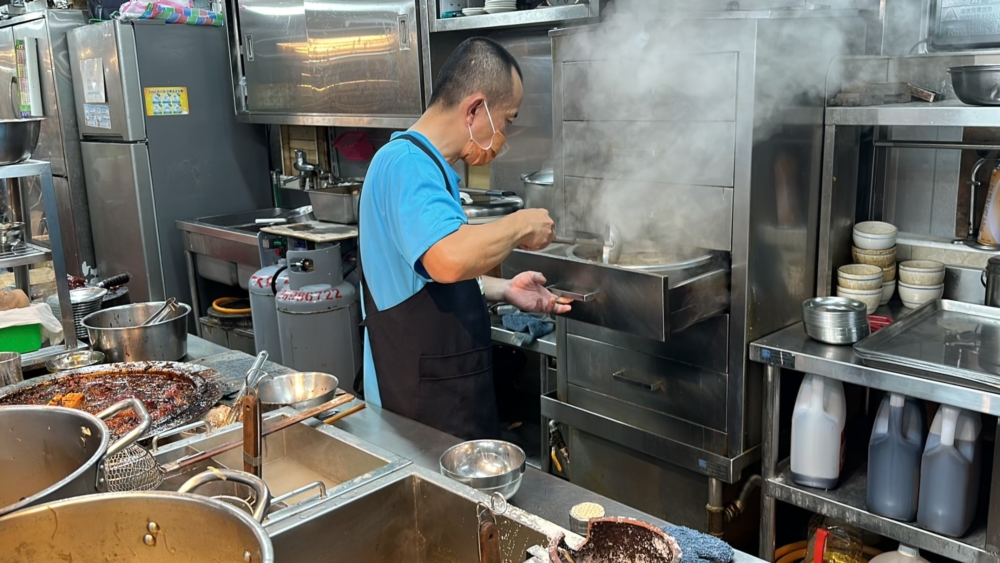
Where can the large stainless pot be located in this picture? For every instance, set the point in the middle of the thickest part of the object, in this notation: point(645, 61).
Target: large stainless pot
point(18, 139)
point(52, 453)
point(117, 333)
point(140, 527)
point(977, 85)
point(539, 190)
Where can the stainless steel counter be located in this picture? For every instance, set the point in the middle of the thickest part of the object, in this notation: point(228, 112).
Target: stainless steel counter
point(543, 495)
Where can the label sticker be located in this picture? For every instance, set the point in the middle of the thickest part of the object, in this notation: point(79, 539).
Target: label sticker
point(92, 72)
point(97, 116)
point(166, 101)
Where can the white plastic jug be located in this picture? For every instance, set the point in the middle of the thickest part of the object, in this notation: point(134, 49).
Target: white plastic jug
point(905, 554)
point(818, 432)
point(949, 476)
point(894, 453)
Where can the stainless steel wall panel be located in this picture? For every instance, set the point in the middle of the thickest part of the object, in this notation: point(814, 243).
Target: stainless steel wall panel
point(8, 73)
point(686, 215)
point(690, 88)
point(675, 389)
point(699, 154)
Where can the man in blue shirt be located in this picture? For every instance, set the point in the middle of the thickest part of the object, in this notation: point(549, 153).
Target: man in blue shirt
point(427, 339)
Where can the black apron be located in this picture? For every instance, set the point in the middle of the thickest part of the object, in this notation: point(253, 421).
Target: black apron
point(433, 353)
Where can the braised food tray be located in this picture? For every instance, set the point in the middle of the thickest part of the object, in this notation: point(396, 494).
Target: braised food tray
point(174, 393)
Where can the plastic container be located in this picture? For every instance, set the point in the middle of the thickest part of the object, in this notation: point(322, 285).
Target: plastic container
point(21, 339)
point(833, 541)
point(894, 452)
point(949, 478)
point(818, 432)
point(905, 554)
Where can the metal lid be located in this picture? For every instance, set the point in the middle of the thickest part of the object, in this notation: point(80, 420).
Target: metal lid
point(545, 177)
point(497, 206)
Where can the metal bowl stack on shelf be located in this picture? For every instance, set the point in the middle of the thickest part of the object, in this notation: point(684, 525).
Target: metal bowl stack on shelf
point(85, 300)
point(835, 320)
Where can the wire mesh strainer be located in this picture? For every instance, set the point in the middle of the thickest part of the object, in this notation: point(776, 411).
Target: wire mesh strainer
point(127, 466)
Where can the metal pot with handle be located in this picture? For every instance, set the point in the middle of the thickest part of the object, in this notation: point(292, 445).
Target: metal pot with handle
point(56, 452)
point(140, 527)
point(539, 189)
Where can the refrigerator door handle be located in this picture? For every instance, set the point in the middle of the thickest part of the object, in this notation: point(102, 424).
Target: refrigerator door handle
point(15, 96)
point(249, 45)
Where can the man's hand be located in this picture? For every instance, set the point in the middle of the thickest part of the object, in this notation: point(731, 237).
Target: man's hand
point(539, 228)
point(527, 292)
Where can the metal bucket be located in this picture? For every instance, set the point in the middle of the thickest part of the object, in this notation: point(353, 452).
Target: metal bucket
point(55, 452)
point(18, 139)
point(142, 527)
point(117, 333)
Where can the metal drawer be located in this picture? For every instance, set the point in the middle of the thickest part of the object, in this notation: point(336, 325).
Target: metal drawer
point(626, 149)
point(684, 392)
point(654, 96)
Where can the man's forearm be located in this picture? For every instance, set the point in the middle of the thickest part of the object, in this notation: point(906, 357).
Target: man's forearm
point(472, 251)
point(495, 288)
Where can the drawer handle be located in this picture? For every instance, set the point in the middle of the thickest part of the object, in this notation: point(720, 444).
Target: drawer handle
point(581, 296)
point(620, 376)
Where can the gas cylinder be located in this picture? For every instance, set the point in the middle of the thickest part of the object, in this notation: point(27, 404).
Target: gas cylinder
point(318, 315)
point(264, 285)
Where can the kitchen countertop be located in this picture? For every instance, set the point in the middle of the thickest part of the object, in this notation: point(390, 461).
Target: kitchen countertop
point(543, 495)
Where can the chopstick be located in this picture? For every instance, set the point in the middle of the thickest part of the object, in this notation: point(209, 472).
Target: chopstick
point(339, 416)
point(278, 426)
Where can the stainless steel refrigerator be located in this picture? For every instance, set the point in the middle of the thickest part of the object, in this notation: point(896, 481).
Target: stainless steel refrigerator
point(160, 142)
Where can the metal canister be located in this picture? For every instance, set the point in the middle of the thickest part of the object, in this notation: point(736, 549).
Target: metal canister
point(991, 280)
point(581, 515)
point(318, 315)
point(264, 285)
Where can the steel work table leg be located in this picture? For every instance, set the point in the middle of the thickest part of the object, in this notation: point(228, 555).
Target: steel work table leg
point(993, 519)
point(769, 461)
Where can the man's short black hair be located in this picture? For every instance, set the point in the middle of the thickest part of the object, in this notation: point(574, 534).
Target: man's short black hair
point(478, 64)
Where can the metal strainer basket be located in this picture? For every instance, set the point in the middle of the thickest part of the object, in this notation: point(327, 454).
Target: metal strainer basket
point(132, 469)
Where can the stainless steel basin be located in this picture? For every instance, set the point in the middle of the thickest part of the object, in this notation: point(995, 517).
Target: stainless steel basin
point(416, 516)
point(294, 458)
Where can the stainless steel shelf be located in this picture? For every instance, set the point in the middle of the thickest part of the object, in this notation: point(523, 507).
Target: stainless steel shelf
point(29, 254)
point(545, 345)
point(538, 16)
point(847, 503)
point(947, 113)
point(791, 348)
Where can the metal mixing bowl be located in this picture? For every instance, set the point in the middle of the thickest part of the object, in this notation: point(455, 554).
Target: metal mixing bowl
point(297, 390)
point(977, 85)
point(74, 360)
point(18, 139)
point(490, 466)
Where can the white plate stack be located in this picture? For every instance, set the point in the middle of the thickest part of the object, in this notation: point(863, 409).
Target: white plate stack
point(500, 6)
point(473, 11)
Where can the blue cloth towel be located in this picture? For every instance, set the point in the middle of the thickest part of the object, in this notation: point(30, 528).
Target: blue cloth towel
point(697, 547)
point(530, 327)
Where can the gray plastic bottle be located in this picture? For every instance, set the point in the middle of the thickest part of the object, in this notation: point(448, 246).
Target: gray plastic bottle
point(894, 453)
point(949, 479)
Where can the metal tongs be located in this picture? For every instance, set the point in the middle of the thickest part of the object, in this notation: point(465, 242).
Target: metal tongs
point(611, 248)
point(161, 314)
point(250, 381)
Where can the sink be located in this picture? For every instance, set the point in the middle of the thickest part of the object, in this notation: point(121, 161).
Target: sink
point(416, 517)
point(236, 220)
point(294, 458)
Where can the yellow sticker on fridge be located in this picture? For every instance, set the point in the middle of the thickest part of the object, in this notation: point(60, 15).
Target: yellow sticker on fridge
point(166, 101)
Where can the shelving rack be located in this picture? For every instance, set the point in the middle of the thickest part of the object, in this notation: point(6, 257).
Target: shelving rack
point(33, 253)
point(539, 16)
point(792, 349)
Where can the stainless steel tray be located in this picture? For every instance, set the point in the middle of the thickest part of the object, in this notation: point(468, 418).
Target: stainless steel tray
point(944, 340)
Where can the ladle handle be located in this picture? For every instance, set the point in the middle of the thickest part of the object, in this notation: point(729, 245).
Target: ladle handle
point(145, 421)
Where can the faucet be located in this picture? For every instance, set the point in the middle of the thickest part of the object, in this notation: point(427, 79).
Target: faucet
point(307, 170)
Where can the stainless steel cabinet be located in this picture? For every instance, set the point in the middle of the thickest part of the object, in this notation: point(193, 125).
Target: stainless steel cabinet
point(8, 71)
point(325, 62)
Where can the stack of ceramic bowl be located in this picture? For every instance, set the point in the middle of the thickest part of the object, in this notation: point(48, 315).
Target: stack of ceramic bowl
point(920, 281)
point(835, 320)
point(875, 245)
point(862, 282)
